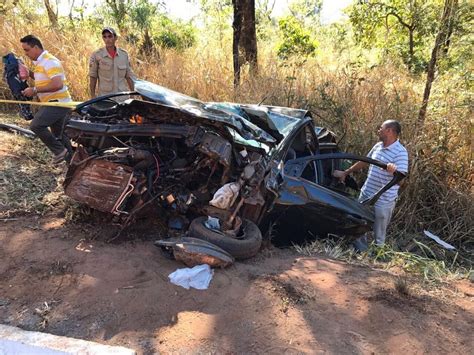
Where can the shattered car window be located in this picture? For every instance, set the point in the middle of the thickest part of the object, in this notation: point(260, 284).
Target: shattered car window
point(250, 142)
point(163, 95)
point(284, 124)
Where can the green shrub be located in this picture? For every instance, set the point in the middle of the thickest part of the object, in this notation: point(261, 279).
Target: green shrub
point(296, 41)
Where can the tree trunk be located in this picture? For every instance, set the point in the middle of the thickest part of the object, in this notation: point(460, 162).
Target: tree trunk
point(411, 44)
point(147, 45)
point(71, 9)
point(244, 48)
point(450, 28)
point(236, 26)
point(450, 8)
point(82, 12)
point(52, 16)
point(249, 35)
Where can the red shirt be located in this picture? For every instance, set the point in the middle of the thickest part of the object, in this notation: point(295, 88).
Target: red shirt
point(112, 52)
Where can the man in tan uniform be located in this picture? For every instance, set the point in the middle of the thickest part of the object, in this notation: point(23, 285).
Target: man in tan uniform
point(111, 67)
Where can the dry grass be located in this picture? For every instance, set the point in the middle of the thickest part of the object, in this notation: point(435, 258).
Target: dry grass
point(402, 287)
point(427, 266)
point(335, 249)
point(28, 182)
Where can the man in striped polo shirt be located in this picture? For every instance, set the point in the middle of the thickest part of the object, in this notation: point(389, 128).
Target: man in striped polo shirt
point(390, 151)
point(49, 86)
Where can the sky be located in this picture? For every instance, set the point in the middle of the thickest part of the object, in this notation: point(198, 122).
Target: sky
point(186, 9)
point(331, 11)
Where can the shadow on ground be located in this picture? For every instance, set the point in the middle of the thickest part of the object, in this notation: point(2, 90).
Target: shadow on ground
point(64, 279)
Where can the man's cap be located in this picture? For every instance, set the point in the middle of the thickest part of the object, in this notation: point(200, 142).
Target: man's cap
point(109, 29)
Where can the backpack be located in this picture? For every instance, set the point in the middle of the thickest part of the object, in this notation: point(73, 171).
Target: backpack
point(16, 85)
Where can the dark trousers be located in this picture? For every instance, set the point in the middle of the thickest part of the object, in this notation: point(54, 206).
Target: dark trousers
point(53, 118)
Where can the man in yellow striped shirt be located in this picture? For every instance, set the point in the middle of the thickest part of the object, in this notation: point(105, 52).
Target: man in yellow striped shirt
point(49, 86)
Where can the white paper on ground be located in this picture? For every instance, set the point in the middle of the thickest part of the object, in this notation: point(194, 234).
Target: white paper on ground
point(439, 240)
point(198, 277)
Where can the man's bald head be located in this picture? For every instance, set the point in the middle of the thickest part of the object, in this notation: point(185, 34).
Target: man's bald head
point(393, 125)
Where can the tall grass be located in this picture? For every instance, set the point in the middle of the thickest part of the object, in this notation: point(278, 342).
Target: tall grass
point(426, 263)
point(350, 98)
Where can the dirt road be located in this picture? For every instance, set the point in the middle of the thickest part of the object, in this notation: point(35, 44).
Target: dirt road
point(52, 278)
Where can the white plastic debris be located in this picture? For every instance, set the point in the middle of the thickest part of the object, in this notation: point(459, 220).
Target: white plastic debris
point(439, 240)
point(225, 196)
point(197, 277)
point(213, 223)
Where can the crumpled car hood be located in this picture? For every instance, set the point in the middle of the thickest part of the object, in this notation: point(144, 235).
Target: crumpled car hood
point(265, 124)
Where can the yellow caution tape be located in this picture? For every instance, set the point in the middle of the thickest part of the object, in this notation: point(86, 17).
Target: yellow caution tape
point(72, 104)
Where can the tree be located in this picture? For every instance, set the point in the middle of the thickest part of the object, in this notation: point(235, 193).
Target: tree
point(244, 48)
point(142, 14)
point(119, 10)
point(404, 25)
point(174, 34)
point(306, 12)
point(6, 6)
point(296, 40)
point(217, 18)
point(441, 43)
point(52, 15)
point(263, 18)
point(29, 11)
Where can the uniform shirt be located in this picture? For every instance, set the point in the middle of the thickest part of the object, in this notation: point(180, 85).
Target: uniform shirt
point(396, 154)
point(46, 67)
point(111, 72)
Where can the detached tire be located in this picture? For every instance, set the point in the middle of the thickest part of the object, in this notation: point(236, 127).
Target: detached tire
point(247, 246)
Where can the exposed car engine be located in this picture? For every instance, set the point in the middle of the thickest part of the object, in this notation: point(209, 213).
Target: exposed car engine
point(128, 160)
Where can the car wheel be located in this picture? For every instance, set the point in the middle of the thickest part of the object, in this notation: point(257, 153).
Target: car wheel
point(245, 246)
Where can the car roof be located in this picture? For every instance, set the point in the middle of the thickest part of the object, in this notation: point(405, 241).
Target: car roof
point(267, 124)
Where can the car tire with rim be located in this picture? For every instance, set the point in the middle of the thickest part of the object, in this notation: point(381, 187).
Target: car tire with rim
point(245, 246)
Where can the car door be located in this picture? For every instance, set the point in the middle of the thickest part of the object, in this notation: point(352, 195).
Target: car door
point(312, 206)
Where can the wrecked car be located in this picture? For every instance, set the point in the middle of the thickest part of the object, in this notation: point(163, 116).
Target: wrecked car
point(220, 172)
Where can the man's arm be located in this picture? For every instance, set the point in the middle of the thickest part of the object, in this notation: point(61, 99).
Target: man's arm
point(92, 86)
point(401, 162)
point(93, 74)
point(130, 75)
point(131, 84)
point(55, 85)
point(356, 167)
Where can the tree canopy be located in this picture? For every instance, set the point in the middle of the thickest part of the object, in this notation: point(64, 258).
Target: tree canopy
point(403, 28)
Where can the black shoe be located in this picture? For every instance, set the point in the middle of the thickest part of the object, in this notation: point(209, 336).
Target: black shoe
point(58, 158)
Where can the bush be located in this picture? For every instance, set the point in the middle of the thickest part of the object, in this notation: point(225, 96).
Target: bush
point(176, 35)
point(296, 41)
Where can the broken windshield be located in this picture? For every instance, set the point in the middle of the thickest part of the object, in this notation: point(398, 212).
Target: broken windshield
point(197, 108)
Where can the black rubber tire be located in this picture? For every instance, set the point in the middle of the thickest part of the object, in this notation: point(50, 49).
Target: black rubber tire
point(247, 246)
